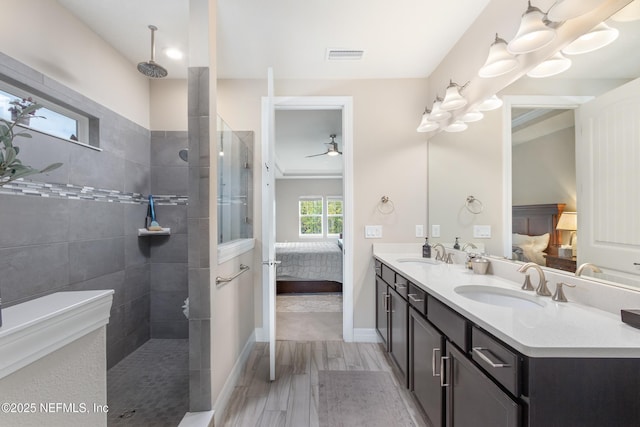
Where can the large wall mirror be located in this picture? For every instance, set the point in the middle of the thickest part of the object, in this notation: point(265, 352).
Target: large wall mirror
point(479, 161)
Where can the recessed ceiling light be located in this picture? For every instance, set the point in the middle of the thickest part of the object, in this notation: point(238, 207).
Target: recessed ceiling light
point(173, 53)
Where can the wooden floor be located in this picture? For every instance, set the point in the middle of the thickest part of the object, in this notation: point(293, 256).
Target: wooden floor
point(292, 400)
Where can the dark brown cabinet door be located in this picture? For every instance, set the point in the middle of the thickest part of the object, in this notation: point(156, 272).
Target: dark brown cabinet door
point(399, 336)
point(425, 349)
point(382, 317)
point(473, 400)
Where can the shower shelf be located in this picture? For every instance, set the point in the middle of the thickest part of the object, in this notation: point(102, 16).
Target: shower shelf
point(144, 232)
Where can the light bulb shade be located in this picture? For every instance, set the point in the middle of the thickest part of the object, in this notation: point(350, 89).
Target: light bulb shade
point(568, 221)
point(491, 103)
point(426, 125)
point(500, 61)
point(452, 98)
point(437, 113)
point(533, 33)
point(457, 126)
point(332, 153)
point(472, 116)
point(595, 39)
point(564, 10)
point(557, 64)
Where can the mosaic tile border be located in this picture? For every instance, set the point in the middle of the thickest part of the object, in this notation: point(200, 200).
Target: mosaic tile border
point(77, 192)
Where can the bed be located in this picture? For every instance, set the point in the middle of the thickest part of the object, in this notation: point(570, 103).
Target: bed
point(309, 267)
point(534, 231)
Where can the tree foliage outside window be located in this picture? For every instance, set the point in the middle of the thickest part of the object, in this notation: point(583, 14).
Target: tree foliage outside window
point(310, 212)
point(334, 216)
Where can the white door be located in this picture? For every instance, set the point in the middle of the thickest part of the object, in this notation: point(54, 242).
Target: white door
point(268, 221)
point(608, 173)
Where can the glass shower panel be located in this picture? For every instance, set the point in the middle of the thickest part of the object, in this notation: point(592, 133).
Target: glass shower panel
point(235, 181)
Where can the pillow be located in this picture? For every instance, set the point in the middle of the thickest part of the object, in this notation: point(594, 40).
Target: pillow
point(535, 243)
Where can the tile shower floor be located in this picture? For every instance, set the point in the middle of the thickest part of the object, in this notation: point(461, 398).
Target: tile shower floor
point(150, 387)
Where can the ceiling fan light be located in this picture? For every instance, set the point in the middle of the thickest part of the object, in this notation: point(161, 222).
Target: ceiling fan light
point(500, 61)
point(557, 64)
point(472, 116)
point(491, 103)
point(452, 98)
point(564, 10)
point(457, 126)
point(533, 33)
point(332, 153)
point(630, 12)
point(437, 113)
point(595, 39)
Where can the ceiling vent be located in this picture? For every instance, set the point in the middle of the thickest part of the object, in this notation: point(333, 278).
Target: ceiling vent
point(344, 54)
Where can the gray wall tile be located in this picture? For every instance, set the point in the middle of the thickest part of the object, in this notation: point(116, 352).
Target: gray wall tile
point(167, 305)
point(113, 281)
point(136, 312)
point(169, 277)
point(169, 249)
point(27, 220)
point(90, 220)
point(136, 250)
point(174, 217)
point(165, 147)
point(171, 329)
point(93, 258)
point(134, 216)
point(169, 180)
point(136, 178)
point(137, 282)
point(98, 169)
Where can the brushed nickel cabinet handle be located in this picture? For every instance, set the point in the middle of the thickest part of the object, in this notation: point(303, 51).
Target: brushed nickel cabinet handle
point(433, 362)
point(413, 298)
point(401, 286)
point(443, 383)
point(480, 352)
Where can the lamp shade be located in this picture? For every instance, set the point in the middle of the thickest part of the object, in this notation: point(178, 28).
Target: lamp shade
point(568, 221)
point(500, 61)
point(595, 39)
point(472, 116)
point(452, 98)
point(426, 125)
point(533, 33)
point(457, 126)
point(491, 103)
point(568, 9)
point(438, 113)
point(552, 66)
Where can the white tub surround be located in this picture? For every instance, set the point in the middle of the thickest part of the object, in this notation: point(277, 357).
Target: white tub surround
point(555, 329)
point(53, 360)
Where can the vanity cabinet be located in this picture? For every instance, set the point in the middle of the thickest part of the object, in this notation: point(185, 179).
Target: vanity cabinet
point(398, 332)
point(382, 312)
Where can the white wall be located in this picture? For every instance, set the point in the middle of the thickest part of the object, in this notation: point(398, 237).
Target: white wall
point(76, 374)
point(48, 38)
point(544, 170)
point(168, 104)
point(390, 159)
point(288, 192)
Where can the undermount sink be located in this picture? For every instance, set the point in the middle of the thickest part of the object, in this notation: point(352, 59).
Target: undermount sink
point(429, 261)
point(499, 296)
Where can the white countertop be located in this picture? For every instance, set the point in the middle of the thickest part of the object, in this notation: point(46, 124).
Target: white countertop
point(554, 330)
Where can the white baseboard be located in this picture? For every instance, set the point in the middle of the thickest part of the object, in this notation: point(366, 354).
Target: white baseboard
point(197, 419)
point(365, 335)
point(230, 384)
point(261, 336)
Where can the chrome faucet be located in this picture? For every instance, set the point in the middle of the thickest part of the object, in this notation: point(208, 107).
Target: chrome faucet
point(439, 256)
point(593, 268)
point(468, 245)
point(542, 283)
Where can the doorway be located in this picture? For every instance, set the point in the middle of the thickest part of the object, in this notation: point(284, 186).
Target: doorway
point(343, 107)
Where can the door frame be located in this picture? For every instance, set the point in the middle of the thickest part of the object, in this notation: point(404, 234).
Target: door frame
point(344, 104)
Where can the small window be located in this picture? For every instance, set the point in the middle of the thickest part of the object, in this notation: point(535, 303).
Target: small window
point(51, 119)
point(310, 216)
point(334, 216)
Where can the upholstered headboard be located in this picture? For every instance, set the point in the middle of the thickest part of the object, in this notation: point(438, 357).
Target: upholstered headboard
point(534, 220)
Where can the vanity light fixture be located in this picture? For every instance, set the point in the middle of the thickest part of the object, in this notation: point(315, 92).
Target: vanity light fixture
point(533, 33)
point(557, 64)
point(452, 98)
point(500, 61)
point(595, 39)
point(491, 103)
point(457, 126)
point(437, 113)
point(472, 116)
point(426, 124)
point(564, 10)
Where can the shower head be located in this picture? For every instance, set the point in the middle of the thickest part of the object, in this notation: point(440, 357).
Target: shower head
point(151, 68)
point(184, 154)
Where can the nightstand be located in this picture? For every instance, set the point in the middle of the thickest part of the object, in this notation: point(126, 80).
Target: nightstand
point(561, 263)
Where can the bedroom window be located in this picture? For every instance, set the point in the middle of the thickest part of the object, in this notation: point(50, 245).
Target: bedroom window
point(310, 212)
point(334, 216)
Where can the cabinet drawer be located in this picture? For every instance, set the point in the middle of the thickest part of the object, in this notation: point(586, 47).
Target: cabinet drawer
point(417, 299)
point(448, 321)
point(402, 286)
point(378, 267)
point(497, 360)
point(388, 275)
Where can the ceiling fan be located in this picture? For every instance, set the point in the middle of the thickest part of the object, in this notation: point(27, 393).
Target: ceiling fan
point(332, 150)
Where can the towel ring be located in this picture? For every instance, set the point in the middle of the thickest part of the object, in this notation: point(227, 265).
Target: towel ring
point(385, 206)
point(474, 205)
